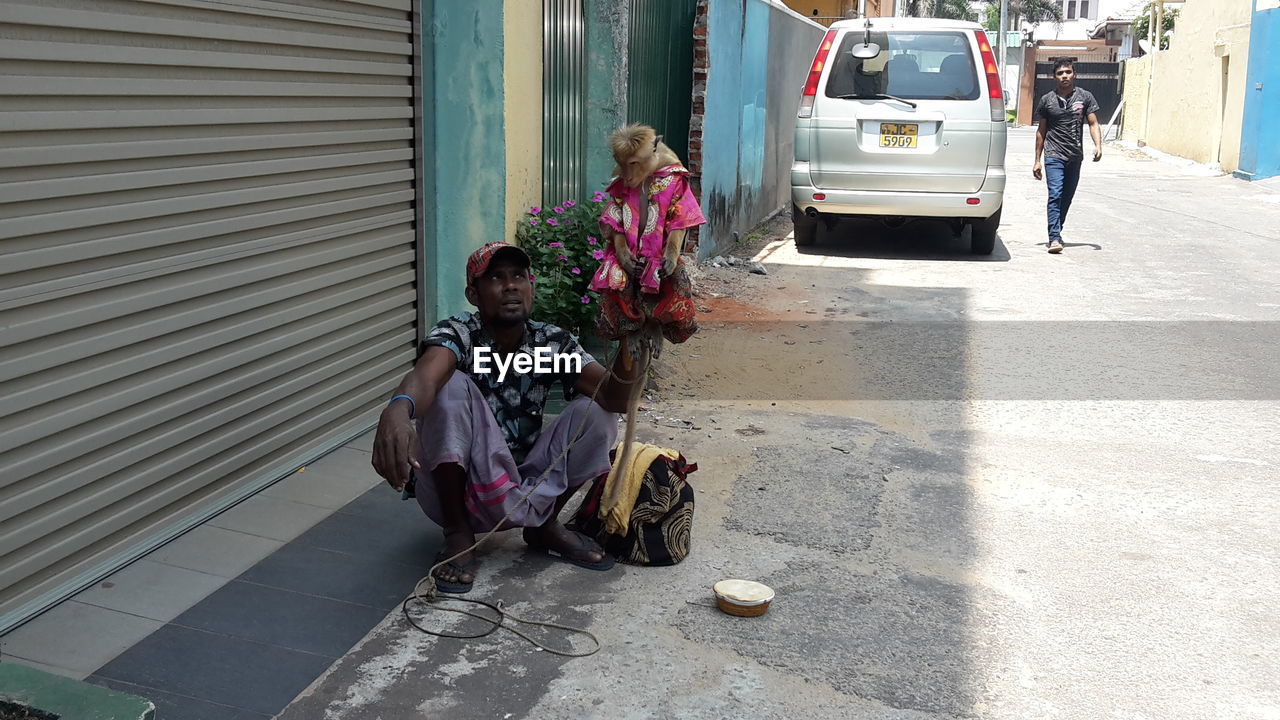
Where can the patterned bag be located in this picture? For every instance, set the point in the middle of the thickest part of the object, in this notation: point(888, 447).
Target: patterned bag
point(661, 521)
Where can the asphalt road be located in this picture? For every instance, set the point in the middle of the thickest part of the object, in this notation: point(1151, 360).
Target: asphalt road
point(1023, 486)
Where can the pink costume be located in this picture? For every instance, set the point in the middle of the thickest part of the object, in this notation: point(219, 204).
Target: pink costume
point(671, 207)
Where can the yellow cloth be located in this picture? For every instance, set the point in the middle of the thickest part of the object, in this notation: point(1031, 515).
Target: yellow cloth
point(616, 505)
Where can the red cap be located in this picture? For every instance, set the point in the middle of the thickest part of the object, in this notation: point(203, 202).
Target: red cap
point(479, 261)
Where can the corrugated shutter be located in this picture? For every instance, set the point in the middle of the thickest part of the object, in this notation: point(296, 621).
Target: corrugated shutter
point(563, 101)
point(206, 262)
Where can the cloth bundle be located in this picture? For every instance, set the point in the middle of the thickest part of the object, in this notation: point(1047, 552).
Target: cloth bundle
point(650, 519)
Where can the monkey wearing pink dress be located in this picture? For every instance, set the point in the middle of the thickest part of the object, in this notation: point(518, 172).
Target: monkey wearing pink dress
point(648, 213)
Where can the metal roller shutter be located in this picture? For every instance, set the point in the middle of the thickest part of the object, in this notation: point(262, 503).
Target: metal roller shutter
point(207, 262)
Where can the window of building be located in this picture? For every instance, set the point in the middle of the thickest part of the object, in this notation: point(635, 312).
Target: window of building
point(1079, 9)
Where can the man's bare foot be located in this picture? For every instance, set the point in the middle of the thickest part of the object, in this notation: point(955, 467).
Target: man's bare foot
point(460, 570)
point(575, 547)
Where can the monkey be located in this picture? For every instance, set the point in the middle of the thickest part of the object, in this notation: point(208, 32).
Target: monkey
point(645, 292)
point(638, 152)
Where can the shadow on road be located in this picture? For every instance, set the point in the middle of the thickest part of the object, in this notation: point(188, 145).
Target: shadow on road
point(917, 240)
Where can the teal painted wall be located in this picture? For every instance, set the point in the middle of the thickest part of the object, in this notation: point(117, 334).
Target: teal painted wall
point(759, 56)
point(608, 23)
point(465, 150)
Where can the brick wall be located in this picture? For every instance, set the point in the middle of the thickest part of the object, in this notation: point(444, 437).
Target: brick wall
point(700, 66)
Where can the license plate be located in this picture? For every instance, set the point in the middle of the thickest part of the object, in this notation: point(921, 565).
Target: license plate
point(900, 135)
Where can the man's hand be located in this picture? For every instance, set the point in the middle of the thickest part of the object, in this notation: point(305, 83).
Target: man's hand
point(1097, 154)
point(395, 446)
point(1037, 170)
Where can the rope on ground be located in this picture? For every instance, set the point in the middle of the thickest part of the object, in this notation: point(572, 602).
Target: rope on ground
point(430, 597)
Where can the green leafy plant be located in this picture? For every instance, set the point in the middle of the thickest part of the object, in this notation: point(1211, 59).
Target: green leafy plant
point(1142, 24)
point(951, 9)
point(565, 248)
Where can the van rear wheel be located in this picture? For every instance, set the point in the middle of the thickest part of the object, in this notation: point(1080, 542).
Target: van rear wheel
point(806, 228)
point(982, 234)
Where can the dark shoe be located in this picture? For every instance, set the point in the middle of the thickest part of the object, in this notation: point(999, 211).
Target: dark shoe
point(456, 588)
point(577, 556)
point(1055, 246)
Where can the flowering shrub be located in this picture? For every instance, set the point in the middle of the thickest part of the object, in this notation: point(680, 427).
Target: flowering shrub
point(565, 249)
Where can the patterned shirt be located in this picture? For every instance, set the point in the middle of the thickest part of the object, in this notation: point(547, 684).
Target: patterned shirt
point(517, 399)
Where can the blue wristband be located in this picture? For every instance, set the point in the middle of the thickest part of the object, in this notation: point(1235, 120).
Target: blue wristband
point(413, 407)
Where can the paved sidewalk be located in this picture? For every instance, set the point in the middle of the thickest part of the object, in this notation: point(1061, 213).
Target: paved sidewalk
point(236, 617)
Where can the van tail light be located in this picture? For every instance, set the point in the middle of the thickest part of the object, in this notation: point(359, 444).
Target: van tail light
point(815, 73)
point(994, 91)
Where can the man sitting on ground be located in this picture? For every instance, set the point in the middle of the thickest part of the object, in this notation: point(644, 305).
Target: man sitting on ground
point(479, 446)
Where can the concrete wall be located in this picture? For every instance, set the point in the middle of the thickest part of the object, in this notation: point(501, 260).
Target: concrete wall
point(522, 107)
point(1196, 100)
point(758, 56)
point(465, 153)
point(1137, 85)
point(1260, 132)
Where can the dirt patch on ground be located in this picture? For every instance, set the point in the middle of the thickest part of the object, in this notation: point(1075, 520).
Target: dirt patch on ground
point(759, 337)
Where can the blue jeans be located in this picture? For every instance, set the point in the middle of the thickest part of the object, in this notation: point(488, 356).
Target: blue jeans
point(1062, 177)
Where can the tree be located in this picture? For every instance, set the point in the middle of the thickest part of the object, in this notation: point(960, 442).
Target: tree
point(1028, 10)
point(1142, 25)
point(991, 17)
point(1031, 10)
point(949, 9)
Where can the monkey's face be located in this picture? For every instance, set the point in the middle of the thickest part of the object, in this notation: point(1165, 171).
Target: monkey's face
point(504, 294)
point(639, 166)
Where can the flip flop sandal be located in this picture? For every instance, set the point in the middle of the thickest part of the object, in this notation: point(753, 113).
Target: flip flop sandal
point(584, 540)
point(457, 588)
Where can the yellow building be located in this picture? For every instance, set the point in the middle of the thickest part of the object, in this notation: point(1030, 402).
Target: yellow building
point(825, 12)
point(1189, 100)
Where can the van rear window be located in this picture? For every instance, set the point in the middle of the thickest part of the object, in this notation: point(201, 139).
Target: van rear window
point(911, 65)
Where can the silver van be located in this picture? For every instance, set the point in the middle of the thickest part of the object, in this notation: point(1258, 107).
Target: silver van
point(900, 119)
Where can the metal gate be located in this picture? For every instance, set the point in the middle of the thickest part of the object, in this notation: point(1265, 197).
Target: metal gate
point(659, 84)
point(1101, 79)
point(660, 76)
point(564, 116)
point(206, 263)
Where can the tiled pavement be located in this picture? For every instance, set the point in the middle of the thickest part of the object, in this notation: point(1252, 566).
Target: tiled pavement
point(235, 618)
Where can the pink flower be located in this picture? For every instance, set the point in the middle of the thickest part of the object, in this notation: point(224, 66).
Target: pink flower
point(598, 254)
point(586, 300)
point(532, 277)
point(598, 197)
point(558, 209)
point(568, 222)
point(533, 221)
point(569, 203)
point(553, 222)
point(576, 271)
point(563, 258)
point(555, 244)
point(592, 240)
point(535, 210)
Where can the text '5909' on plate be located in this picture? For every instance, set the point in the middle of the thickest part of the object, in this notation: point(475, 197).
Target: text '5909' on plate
point(902, 135)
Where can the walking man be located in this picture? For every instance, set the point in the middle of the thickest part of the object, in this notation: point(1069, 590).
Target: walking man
point(1060, 138)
